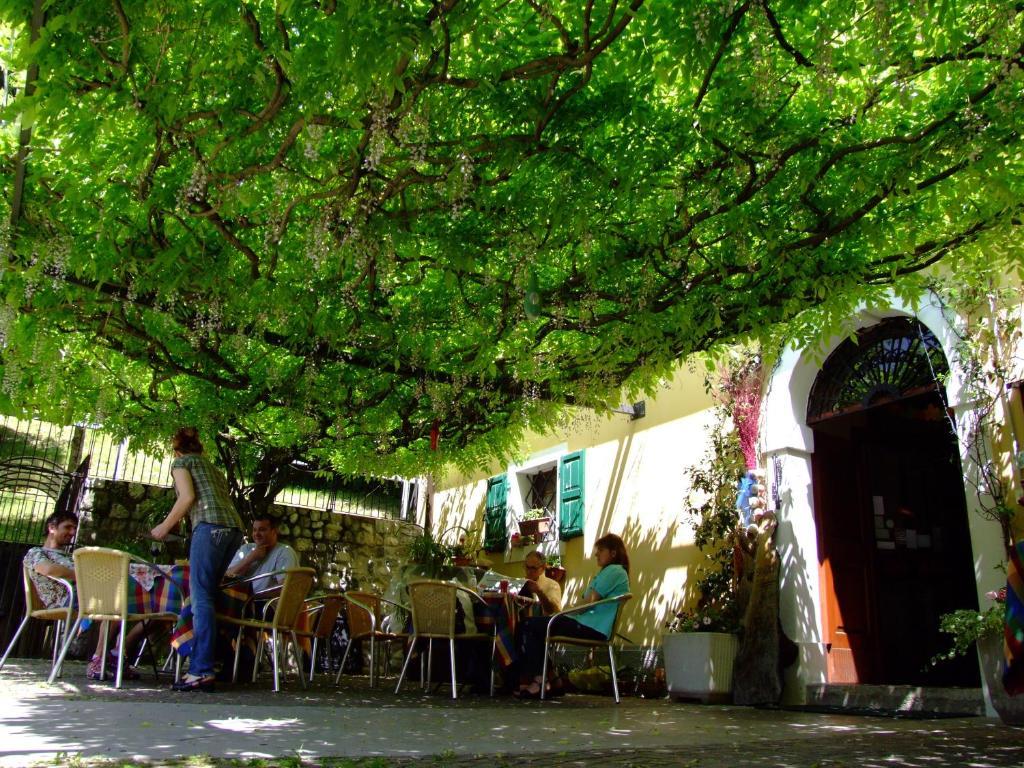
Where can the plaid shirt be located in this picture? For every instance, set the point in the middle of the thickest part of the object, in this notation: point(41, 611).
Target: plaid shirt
point(213, 502)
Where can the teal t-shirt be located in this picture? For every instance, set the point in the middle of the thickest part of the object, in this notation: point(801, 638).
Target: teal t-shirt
point(611, 581)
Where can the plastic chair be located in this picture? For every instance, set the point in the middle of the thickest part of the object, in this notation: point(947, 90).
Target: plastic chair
point(102, 578)
point(434, 612)
point(36, 609)
point(286, 608)
point(549, 638)
point(365, 617)
point(325, 609)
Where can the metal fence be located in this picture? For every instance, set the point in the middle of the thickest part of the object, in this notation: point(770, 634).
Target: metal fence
point(36, 458)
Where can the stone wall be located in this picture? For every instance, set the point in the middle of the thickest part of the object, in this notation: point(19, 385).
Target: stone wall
point(346, 550)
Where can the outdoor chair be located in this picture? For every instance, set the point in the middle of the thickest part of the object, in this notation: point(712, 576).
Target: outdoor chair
point(286, 610)
point(101, 575)
point(434, 614)
point(36, 609)
point(323, 612)
point(550, 639)
point(363, 611)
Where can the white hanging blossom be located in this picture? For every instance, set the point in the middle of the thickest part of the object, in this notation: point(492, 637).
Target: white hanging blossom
point(12, 377)
point(314, 135)
point(319, 241)
point(7, 318)
point(378, 138)
point(195, 190)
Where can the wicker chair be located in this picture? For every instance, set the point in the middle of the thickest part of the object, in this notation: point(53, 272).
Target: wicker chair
point(363, 610)
point(434, 612)
point(287, 608)
point(102, 578)
point(323, 614)
point(36, 609)
point(549, 638)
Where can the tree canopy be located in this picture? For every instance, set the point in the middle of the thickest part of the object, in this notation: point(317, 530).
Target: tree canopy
point(347, 226)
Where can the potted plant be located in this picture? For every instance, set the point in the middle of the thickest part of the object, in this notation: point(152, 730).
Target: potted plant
point(701, 639)
point(982, 632)
point(554, 569)
point(535, 523)
point(465, 552)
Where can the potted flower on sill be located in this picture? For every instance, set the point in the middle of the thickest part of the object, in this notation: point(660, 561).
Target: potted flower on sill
point(535, 523)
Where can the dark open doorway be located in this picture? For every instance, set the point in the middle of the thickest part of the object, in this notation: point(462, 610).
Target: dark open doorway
point(894, 544)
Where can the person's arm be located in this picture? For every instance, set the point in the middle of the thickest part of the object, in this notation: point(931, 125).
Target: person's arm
point(247, 563)
point(186, 498)
point(56, 570)
point(602, 584)
point(547, 605)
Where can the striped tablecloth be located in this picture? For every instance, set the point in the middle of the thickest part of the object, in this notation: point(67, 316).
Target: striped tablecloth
point(230, 602)
point(157, 589)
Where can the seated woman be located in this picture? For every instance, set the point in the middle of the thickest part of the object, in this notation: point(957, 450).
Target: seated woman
point(595, 623)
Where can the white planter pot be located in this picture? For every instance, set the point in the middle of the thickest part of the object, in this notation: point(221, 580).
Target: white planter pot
point(698, 665)
point(1009, 708)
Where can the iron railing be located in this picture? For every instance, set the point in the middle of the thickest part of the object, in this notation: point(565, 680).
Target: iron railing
point(49, 453)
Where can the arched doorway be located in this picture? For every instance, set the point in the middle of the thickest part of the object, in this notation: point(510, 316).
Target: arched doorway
point(894, 547)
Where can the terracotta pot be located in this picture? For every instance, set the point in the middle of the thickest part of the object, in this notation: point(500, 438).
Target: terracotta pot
point(535, 528)
point(555, 572)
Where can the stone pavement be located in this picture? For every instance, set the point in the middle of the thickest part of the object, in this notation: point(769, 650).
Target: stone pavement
point(42, 724)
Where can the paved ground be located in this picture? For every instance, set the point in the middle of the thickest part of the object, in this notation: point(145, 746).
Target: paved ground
point(55, 724)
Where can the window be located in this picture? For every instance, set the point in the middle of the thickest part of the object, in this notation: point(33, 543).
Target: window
point(553, 484)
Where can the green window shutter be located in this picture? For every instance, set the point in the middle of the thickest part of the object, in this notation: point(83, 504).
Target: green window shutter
point(570, 509)
point(495, 514)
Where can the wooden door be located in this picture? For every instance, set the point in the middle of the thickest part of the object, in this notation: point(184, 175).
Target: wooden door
point(894, 545)
point(846, 579)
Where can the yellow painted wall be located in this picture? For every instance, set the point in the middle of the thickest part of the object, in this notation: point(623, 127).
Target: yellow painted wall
point(635, 486)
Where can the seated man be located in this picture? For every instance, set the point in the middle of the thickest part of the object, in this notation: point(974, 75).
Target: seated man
point(264, 554)
point(52, 560)
point(548, 591)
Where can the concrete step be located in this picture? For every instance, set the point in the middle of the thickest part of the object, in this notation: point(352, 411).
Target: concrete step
point(906, 700)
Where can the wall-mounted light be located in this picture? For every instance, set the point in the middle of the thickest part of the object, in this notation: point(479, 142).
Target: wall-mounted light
point(634, 411)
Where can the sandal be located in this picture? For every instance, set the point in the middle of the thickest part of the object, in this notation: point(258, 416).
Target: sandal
point(92, 672)
point(127, 673)
point(189, 683)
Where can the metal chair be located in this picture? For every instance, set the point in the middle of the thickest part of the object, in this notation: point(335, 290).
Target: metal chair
point(101, 575)
point(324, 610)
point(287, 608)
point(549, 638)
point(363, 611)
point(36, 609)
point(434, 613)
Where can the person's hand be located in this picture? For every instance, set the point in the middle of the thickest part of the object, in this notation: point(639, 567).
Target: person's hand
point(260, 551)
point(529, 587)
point(160, 532)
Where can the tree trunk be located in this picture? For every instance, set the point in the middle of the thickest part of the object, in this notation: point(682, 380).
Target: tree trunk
point(757, 680)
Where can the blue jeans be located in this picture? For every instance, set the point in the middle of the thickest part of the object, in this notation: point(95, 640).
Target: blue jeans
point(209, 556)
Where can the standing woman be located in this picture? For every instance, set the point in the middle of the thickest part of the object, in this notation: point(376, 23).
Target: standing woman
point(202, 493)
point(594, 623)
